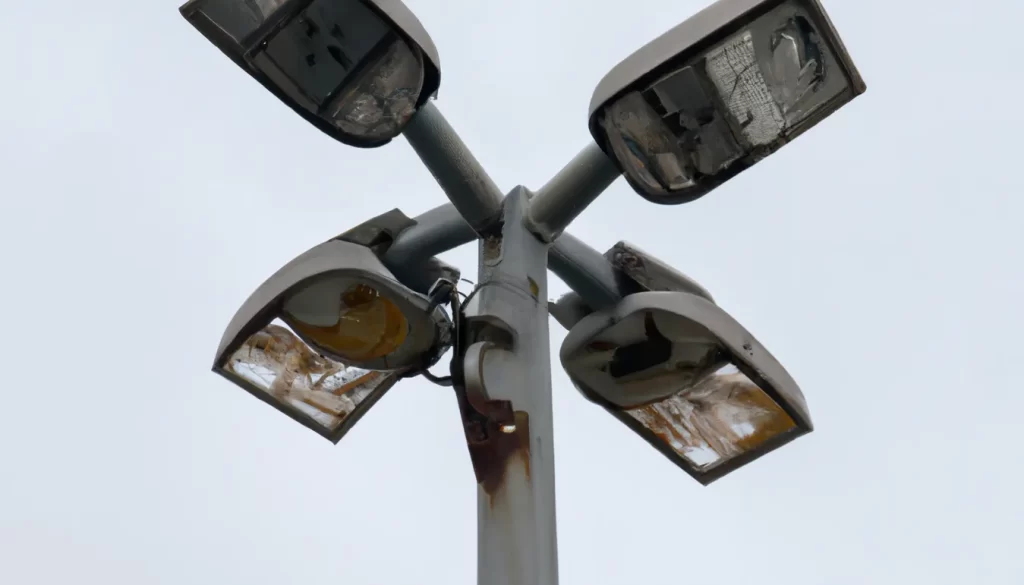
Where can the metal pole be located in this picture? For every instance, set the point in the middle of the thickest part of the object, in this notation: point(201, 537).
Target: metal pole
point(569, 192)
point(436, 231)
point(459, 174)
point(507, 376)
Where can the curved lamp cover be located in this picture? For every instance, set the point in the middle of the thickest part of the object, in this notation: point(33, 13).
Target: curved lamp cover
point(356, 69)
point(651, 273)
point(688, 378)
point(328, 335)
point(718, 93)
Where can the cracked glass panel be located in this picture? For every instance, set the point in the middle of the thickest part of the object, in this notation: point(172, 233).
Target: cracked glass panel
point(340, 60)
point(322, 48)
point(647, 149)
point(277, 362)
point(740, 82)
point(717, 419)
point(738, 102)
point(383, 100)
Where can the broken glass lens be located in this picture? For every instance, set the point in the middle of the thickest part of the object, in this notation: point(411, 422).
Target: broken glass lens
point(382, 101)
point(721, 417)
point(275, 361)
point(739, 101)
point(341, 61)
point(648, 151)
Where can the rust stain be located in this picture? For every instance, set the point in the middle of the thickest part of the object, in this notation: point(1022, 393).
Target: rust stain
point(493, 445)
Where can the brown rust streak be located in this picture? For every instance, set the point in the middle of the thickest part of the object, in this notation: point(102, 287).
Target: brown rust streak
point(493, 452)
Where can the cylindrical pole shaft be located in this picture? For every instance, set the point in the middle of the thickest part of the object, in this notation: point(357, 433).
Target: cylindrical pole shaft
point(456, 170)
point(508, 317)
point(569, 192)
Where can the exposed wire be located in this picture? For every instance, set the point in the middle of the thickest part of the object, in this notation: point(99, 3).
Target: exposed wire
point(447, 294)
point(446, 381)
point(486, 284)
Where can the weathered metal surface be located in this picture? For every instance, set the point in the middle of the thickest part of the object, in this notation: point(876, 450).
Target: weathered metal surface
point(651, 273)
point(506, 401)
point(495, 433)
point(496, 445)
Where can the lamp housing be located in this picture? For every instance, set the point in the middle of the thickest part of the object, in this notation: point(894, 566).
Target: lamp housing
point(329, 334)
point(684, 375)
point(720, 92)
point(356, 69)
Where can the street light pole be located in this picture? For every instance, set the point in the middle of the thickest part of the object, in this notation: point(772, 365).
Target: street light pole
point(504, 356)
point(675, 118)
point(507, 373)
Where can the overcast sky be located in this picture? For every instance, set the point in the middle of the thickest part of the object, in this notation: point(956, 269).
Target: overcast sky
point(148, 186)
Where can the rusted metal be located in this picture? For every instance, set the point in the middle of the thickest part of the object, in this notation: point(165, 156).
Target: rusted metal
point(492, 448)
point(495, 433)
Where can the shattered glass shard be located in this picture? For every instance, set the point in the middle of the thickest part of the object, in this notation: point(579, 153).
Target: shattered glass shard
point(723, 416)
point(649, 151)
point(383, 101)
point(734, 70)
point(684, 98)
point(277, 362)
point(797, 66)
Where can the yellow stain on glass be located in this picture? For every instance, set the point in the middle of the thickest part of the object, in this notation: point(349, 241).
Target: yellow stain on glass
point(369, 326)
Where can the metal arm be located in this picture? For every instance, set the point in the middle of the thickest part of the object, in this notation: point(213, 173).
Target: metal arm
point(587, 272)
point(459, 174)
point(436, 231)
point(583, 268)
point(569, 192)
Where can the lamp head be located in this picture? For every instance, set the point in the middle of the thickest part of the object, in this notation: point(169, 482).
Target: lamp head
point(326, 336)
point(718, 93)
point(684, 375)
point(356, 69)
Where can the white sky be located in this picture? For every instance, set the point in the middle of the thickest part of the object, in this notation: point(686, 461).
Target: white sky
point(149, 186)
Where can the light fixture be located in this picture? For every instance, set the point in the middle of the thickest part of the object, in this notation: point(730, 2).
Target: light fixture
point(720, 92)
point(356, 69)
point(327, 335)
point(688, 378)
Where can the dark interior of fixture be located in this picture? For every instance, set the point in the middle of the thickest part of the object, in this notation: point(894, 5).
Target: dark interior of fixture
point(637, 357)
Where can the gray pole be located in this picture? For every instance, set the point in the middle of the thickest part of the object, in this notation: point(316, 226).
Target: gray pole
point(454, 167)
point(569, 192)
point(504, 350)
point(507, 372)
